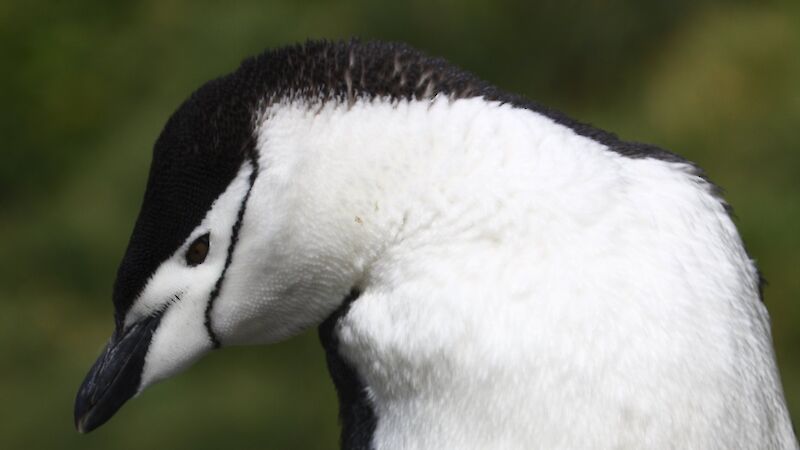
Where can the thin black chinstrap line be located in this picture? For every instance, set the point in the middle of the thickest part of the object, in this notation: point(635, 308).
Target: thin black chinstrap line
point(251, 154)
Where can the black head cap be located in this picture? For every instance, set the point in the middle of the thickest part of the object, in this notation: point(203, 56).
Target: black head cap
point(197, 155)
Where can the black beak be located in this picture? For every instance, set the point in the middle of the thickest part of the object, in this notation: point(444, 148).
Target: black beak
point(115, 376)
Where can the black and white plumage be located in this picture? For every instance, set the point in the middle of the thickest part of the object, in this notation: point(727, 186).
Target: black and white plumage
point(485, 272)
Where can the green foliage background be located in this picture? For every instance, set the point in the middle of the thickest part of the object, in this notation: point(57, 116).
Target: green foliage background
point(87, 85)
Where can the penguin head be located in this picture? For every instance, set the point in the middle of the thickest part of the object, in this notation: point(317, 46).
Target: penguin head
point(181, 247)
point(218, 255)
point(225, 249)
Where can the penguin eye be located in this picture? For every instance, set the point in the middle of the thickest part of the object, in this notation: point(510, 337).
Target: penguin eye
point(197, 252)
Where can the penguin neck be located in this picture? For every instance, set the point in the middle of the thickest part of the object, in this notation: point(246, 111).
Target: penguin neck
point(415, 196)
point(380, 177)
point(509, 272)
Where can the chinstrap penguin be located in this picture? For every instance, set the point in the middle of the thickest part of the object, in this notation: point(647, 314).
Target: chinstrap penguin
point(485, 272)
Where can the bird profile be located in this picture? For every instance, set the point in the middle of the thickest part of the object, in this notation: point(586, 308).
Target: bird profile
point(484, 272)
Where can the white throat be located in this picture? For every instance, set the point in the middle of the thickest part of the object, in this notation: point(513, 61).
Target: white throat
point(522, 286)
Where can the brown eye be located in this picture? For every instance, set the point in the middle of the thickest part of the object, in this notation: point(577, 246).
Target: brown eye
point(197, 252)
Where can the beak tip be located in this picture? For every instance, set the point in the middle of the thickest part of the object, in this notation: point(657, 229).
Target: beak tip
point(83, 408)
point(82, 416)
point(115, 376)
point(79, 426)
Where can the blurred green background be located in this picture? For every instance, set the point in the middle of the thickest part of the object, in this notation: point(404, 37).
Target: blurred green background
point(87, 85)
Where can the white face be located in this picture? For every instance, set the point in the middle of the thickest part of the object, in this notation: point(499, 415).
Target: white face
point(183, 288)
point(300, 250)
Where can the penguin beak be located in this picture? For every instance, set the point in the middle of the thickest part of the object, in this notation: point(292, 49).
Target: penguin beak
point(115, 376)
